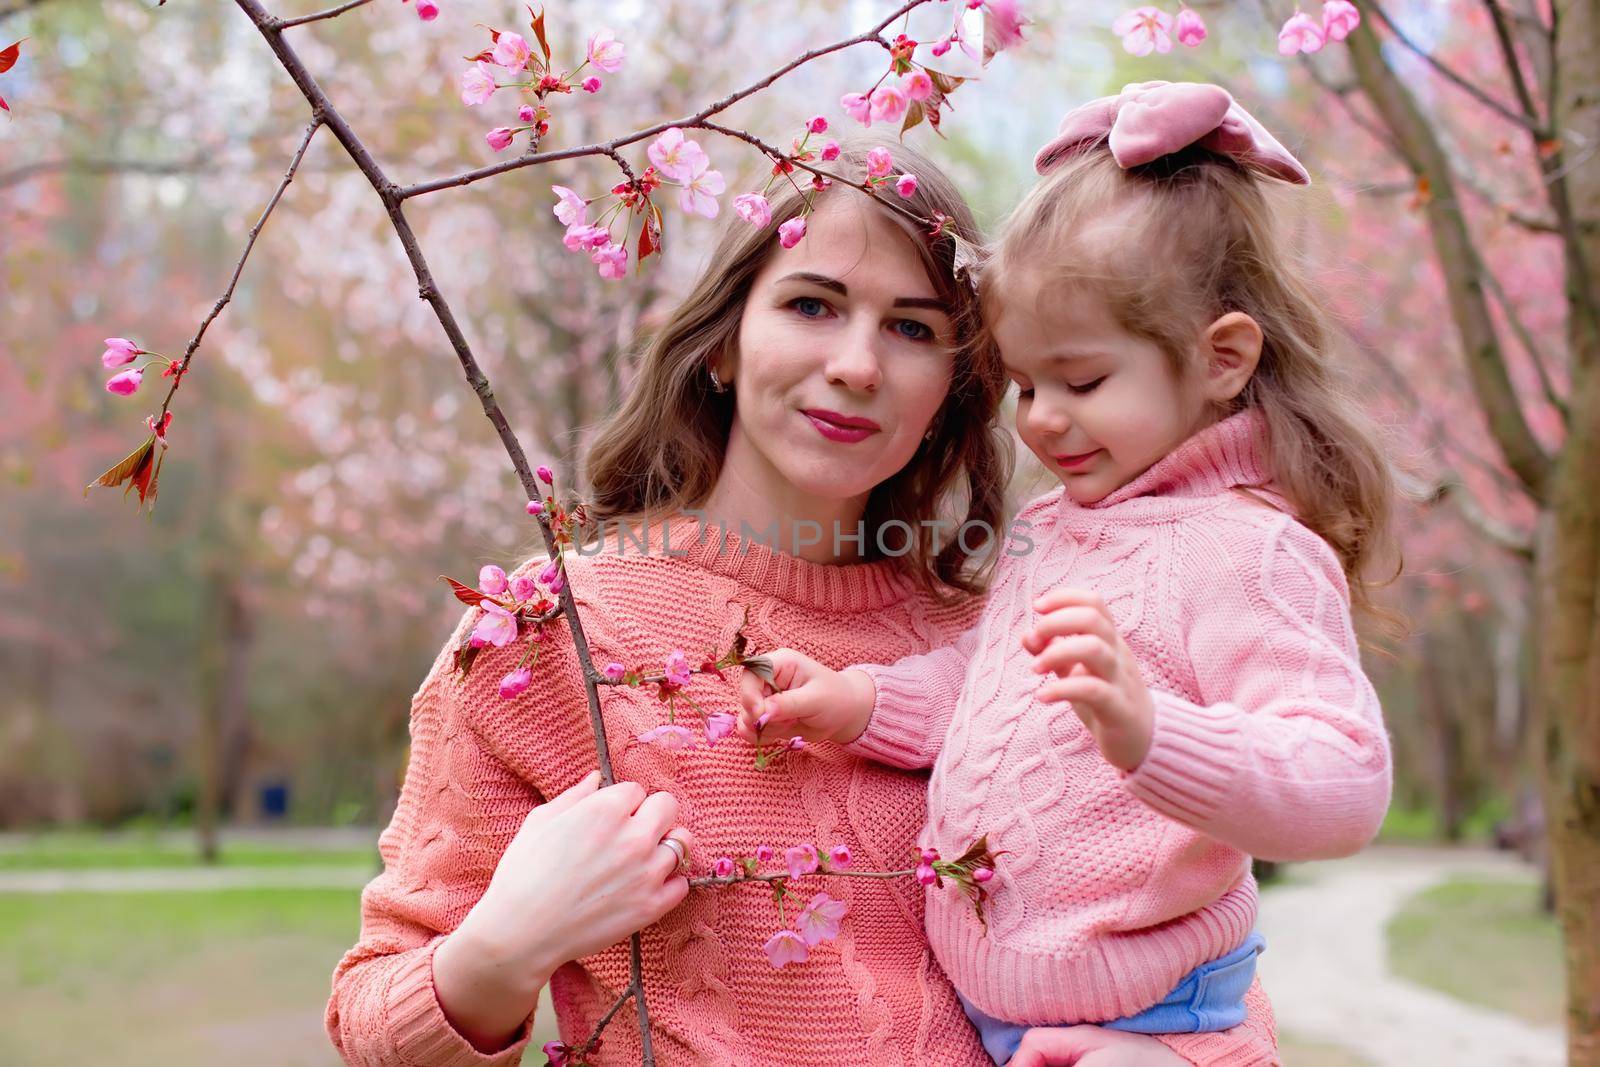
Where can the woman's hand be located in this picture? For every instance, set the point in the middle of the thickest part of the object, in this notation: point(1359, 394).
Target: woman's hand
point(585, 870)
point(1092, 1046)
point(804, 699)
point(1077, 640)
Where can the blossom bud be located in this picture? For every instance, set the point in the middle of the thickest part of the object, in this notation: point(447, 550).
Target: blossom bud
point(982, 874)
point(830, 151)
point(591, 84)
point(925, 875)
point(525, 113)
point(929, 855)
point(492, 580)
point(535, 507)
point(499, 138)
point(522, 587)
point(818, 124)
point(723, 868)
point(546, 475)
point(614, 672)
point(907, 185)
point(839, 856)
point(765, 853)
point(516, 683)
point(427, 10)
point(126, 383)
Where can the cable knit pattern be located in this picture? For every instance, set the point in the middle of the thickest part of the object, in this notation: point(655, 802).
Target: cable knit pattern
point(479, 764)
point(1268, 741)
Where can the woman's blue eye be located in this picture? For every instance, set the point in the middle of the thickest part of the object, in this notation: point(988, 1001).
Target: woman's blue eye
point(1087, 387)
point(809, 306)
point(920, 331)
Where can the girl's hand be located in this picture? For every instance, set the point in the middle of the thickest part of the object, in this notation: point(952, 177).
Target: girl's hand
point(1092, 1046)
point(1078, 640)
point(585, 870)
point(804, 699)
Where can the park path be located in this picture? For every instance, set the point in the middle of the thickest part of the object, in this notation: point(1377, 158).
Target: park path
point(1326, 966)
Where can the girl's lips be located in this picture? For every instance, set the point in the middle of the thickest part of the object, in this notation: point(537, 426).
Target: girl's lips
point(1078, 460)
point(843, 428)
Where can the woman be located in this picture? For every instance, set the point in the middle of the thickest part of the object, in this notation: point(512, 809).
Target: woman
point(806, 401)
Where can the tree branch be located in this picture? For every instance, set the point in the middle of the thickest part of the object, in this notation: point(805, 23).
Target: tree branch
point(332, 12)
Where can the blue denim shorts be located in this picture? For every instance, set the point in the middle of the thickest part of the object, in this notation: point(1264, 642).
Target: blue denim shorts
point(1210, 997)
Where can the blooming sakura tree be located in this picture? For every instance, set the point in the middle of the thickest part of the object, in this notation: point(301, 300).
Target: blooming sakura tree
point(515, 608)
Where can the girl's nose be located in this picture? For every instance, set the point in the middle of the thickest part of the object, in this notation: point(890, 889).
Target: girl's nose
point(1046, 419)
point(855, 362)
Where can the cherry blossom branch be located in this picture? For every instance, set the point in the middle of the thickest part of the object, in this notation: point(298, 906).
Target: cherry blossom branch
point(714, 881)
point(227, 295)
point(609, 148)
point(332, 12)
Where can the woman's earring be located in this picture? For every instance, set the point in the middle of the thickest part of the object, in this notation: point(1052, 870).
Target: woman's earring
point(717, 385)
point(929, 435)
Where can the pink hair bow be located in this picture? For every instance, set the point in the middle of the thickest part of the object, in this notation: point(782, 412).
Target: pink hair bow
point(1148, 120)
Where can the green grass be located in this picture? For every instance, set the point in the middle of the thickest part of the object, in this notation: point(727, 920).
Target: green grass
point(83, 850)
point(1484, 942)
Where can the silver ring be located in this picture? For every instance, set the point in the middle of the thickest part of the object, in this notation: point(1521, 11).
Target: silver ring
point(677, 849)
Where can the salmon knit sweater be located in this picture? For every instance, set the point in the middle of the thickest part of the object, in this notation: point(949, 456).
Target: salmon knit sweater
point(479, 764)
point(1268, 741)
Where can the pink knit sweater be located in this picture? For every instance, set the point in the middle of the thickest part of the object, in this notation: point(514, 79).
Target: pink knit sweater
point(479, 764)
point(1268, 742)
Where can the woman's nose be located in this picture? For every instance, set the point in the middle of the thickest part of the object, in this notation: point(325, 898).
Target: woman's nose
point(855, 363)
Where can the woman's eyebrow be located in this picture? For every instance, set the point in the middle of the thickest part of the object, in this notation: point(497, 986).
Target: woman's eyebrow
point(835, 285)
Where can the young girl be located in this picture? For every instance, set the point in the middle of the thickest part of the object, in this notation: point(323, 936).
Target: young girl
point(1128, 750)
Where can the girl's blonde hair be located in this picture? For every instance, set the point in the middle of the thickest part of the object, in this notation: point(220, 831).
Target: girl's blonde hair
point(1174, 245)
point(662, 450)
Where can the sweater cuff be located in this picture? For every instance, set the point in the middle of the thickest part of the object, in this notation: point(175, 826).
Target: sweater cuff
point(1193, 760)
point(423, 1035)
point(897, 732)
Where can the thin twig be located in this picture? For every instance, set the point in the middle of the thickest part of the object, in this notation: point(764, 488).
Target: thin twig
point(698, 118)
point(332, 12)
point(713, 881)
point(250, 242)
point(1525, 337)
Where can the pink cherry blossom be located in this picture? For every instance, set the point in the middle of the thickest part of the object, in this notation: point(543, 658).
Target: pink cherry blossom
point(570, 207)
point(940, 47)
point(1004, 23)
point(1301, 33)
point(549, 572)
point(801, 859)
point(525, 113)
point(879, 162)
point(492, 579)
point(889, 103)
point(839, 856)
point(830, 151)
point(678, 670)
point(669, 736)
point(477, 84)
point(790, 233)
point(516, 683)
point(858, 107)
point(545, 474)
point(606, 52)
point(161, 430)
point(906, 185)
point(556, 1053)
point(511, 50)
point(1339, 17)
point(560, 581)
point(125, 383)
point(786, 946)
point(917, 85)
point(819, 921)
point(1191, 28)
point(591, 84)
point(499, 138)
point(718, 726)
point(817, 124)
point(929, 855)
point(427, 10)
point(119, 352)
point(1144, 30)
point(522, 588)
point(926, 875)
point(536, 507)
point(764, 853)
point(699, 193)
point(497, 627)
point(723, 867)
point(614, 672)
point(585, 237)
point(795, 744)
point(753, 208)
point(677, 157)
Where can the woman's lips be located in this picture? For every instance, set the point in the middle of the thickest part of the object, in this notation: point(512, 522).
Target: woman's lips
point(836, 427)
point(1074, 461)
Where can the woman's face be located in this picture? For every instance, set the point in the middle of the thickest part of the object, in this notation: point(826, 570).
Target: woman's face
point(844, 357)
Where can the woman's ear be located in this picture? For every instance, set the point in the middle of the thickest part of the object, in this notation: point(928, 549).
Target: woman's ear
point(1229, 351)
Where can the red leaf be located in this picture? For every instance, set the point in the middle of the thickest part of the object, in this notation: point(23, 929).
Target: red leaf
point(464, 593)
point(538, 31)
point(3, 105)
point(650, 233)
point(139, 470)
point(8, 56)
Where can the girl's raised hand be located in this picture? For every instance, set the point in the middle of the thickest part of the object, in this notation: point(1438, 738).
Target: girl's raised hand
point(803, 699)
point(1092, 1046)
point(1077, 640)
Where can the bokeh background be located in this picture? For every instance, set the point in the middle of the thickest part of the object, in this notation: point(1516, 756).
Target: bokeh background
point(203, 721)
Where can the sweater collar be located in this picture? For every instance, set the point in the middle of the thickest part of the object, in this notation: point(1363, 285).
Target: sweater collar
point(843, 587)
point(1228, 453)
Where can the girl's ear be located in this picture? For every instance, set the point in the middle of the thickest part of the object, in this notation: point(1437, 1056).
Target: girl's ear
point(1230, 348)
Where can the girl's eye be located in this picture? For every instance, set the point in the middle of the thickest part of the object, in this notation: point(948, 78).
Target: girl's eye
point(1087, 387)
point(913, 330)
point(808, 306)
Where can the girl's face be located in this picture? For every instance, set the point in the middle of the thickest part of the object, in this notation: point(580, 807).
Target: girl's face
point(1098, 405)
point(844, 357)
